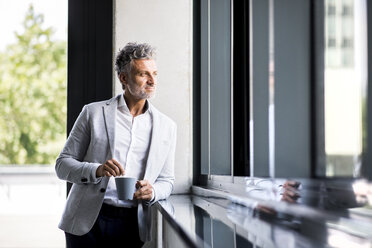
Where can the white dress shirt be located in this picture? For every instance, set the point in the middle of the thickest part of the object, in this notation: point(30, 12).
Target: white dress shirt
point(132, 142)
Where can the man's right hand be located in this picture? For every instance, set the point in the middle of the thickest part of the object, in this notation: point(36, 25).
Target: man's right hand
point(110, 168)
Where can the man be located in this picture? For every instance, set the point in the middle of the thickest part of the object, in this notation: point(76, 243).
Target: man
point(125, 135)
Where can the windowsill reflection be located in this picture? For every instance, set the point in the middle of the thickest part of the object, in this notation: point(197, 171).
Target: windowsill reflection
point(311, 212)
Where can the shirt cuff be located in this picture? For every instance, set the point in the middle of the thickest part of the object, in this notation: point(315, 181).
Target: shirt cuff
point(93, 174)
point(153, 195)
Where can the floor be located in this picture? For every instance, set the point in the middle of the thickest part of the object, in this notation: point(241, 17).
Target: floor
point(29, 215)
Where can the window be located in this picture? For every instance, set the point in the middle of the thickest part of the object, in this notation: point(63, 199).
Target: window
point(331, 42)
point(224, 105)
point(288, 100)
point(89, 80)
point(33, 106)
point(345, 79)
point(33, 123)
point(237, 120)
point(331, 10)
point(331, 26)
point(347, 10)
point(216, 87)
point(347, 43)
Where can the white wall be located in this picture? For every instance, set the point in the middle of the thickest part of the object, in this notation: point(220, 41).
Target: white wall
point(167, 25)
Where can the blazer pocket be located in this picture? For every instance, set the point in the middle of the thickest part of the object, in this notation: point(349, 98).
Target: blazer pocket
point(74, 199)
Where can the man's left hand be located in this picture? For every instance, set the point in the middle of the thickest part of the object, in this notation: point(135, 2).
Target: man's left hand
point(144, 191)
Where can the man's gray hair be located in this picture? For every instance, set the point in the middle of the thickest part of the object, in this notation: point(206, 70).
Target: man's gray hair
point(130, 52)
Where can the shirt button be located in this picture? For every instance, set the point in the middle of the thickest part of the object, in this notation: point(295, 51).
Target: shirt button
point(103, 190)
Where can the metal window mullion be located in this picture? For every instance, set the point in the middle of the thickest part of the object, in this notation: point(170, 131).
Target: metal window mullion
point(209, 90)
point(251, 118)
point(212, 236)
point(271, 91)
point(234, 237)
point(232, 88)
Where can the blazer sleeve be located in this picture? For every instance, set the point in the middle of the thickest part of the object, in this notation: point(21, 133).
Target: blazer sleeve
point(163, 185)
point(70, 165)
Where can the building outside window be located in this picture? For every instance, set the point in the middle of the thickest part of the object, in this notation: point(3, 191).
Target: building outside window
point(345, 86)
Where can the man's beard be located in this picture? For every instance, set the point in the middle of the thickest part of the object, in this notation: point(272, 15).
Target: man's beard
point(140, 93)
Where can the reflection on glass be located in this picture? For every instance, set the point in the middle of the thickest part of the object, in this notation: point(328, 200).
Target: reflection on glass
point(344, 85)
point(216, 233)
point(215, 87)
point(330, 195)
point(220, 87)
point(277, 213)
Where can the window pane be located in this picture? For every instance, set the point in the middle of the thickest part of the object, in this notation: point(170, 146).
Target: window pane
point(344, 86)
point(204, 88)
point(222, 235)
point(32, 121)
point(32, 84)
point(220, 75)
point(215, 87)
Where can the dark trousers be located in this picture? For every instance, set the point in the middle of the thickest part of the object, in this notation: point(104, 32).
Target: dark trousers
point(114, 227)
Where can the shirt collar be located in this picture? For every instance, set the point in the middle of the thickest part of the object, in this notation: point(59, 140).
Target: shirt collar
point(122, 104)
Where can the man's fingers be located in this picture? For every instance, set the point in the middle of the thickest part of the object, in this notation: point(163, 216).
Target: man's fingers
point(107, 170)
point(142, 183)
point(121, 170)
point(145, 190)
point(293, 184)
point(119, 166)
point(109, 167)
point(142, 196)
point(138, 185)
point(289, 199)
point(114, 167)
point(289, 196)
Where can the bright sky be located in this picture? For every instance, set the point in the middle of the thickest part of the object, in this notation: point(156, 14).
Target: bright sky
point(12, 13)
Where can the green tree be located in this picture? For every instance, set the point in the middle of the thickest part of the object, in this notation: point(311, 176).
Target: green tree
point(32, 95)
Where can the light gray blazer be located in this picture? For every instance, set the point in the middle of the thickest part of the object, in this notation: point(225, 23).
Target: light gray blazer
point(90, 143)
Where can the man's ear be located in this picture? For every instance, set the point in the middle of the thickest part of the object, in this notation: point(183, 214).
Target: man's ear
point(123, 78)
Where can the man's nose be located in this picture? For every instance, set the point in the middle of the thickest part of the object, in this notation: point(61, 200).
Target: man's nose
point(152, 80)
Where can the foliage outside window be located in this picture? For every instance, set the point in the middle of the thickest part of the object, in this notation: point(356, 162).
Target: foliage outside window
point(32, 95)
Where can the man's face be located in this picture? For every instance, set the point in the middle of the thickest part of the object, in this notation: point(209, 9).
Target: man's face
point(142, 78)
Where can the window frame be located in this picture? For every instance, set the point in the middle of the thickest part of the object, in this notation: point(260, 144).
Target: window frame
point(239, 79)
point(315, 130)
point(89, 59)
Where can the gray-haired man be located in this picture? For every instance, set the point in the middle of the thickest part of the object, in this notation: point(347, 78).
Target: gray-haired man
point(125, 135)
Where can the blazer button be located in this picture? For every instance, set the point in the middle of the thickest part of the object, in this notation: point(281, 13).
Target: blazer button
point(103, 190)
point(84, 180)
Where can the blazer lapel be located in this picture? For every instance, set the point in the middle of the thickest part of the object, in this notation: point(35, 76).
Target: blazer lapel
point(109, 111)
point(154, 145)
